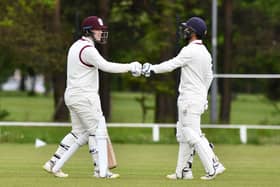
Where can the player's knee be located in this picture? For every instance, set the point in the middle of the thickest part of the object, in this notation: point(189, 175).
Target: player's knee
point(179, 133)
point(83, 139)
point(100, 124)
point(190, 135)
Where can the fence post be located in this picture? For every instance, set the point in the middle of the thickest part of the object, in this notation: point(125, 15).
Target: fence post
point(243, 134)
point(155, 133)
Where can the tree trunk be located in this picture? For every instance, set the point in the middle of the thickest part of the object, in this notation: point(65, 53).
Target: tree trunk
point(61, 112)
point(22, 87)
point(32, 76)
point(226, 83)
point(166, 110)
point(166, 105)
point(104, 91)
point(58, 77)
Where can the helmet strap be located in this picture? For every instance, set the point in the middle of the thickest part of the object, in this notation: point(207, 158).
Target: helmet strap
point(188, 32)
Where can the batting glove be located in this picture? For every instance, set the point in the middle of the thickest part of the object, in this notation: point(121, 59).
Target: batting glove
point(136, 69)
point(147, 69)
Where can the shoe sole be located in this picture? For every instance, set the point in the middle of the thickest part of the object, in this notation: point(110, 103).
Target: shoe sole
point(218, 173)
point(49, 171)
point(115, 177)
point(60, 176)
point(172, 178)
point(208, 179)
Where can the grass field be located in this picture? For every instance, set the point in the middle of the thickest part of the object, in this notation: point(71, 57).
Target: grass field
point(246, 109)
point(140, 165)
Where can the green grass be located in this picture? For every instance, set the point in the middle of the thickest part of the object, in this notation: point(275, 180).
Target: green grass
point(22, 107)
point(246, 109)
point(140, 165)
point(126, 109)
point(137, 135)
point(254, 109)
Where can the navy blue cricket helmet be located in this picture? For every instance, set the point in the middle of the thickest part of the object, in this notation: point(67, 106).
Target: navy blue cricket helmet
point(197, 25)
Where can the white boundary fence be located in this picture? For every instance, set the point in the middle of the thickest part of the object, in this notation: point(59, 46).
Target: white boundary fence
point(155, 127)
point(214, 88)
point(248, 76)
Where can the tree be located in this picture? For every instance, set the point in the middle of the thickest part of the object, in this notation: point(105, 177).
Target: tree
point(104, 90)
point(226, 83)
point(166, 110)
point(38, 43)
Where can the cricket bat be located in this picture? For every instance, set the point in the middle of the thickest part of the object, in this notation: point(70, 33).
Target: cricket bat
point(112, 162)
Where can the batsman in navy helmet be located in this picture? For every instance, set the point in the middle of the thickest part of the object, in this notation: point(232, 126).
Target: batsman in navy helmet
point(194, 60)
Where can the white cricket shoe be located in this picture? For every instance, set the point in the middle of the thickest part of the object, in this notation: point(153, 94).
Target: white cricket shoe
point(109, 175)
point(60, 174)
point(219, 170)
point(186, 176)
point(48, 167)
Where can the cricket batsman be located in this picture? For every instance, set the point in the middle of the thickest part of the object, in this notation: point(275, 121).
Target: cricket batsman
point(83, 101)
point(196, 76)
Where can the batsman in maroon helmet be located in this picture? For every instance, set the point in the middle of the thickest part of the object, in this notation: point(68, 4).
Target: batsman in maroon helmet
point(83, 101)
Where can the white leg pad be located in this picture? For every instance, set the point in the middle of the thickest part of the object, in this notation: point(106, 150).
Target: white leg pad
point(92, 144)
point(184, 156)
point(206, 142)
point(67, 155)
point(203, 150)
point(101, 138)
point(64, 145)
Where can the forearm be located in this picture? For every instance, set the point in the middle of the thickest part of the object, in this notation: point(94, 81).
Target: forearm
point(166, 66)
point(112, 67)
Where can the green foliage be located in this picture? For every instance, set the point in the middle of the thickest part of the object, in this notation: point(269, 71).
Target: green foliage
point(3, 113)
point(139, 30)
point(6, 63)
point(256, 43)
point(29, 30)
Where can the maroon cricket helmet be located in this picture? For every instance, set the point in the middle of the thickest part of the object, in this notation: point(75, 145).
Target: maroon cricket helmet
point(93, 23)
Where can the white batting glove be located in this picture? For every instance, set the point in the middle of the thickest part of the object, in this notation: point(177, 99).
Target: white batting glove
point(136, 69)
point(147, 68)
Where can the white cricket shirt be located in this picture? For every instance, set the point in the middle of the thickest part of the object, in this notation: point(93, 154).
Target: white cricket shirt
point(196, 71)
point(83, 62)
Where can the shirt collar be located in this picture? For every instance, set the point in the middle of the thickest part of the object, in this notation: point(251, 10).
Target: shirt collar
point(199, 42)
point(88, 39)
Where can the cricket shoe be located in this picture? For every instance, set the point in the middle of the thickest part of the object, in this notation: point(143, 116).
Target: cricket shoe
point(48, 167)
point(109, 175)
point(219, 169)
point(186, 176)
